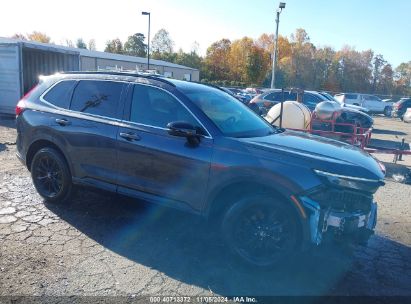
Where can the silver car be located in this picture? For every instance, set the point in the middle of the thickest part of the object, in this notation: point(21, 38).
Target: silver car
point(407, 115)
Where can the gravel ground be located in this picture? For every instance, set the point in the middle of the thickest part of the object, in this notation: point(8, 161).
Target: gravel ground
point(102, 244)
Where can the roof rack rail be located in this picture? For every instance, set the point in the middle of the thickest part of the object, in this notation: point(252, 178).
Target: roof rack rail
point(133, 74)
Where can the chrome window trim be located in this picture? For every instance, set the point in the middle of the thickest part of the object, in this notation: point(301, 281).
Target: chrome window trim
point(106, 119)
point(176, 98)
point(87, 116)
point(75, 79)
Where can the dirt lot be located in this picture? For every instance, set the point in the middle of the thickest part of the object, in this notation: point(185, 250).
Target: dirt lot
point(102, 244)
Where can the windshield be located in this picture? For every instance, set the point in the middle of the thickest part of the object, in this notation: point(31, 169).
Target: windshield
point(329, 97)
point(231, 117)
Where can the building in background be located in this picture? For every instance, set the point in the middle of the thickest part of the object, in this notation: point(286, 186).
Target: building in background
point(22, 62)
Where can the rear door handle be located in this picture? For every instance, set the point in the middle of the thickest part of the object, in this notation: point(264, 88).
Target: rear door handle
point(130, 136)
point(62, 122)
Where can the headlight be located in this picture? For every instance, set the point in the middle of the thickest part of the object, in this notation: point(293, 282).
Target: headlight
point(351, 182)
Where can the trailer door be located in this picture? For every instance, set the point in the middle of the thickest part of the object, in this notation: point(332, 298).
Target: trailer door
point(10, 85)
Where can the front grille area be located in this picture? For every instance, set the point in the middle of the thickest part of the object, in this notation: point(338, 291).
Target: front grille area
point(344, 200)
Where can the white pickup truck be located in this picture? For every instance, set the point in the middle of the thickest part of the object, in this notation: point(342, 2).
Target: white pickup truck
point(373, 103)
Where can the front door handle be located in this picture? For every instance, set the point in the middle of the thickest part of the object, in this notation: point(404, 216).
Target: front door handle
point(62, 122)
point(130, 136)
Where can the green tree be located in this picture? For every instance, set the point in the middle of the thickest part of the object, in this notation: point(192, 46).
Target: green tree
point(80, 44)
point(114, 46)
point(135, 45)
point(162, 42)
point(92, 45)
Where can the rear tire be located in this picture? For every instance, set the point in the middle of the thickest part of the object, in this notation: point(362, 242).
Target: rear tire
point(51, 176)
point(261, 231)
point(387, 112)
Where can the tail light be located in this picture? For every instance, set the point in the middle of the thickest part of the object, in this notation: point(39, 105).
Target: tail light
point(21, 105)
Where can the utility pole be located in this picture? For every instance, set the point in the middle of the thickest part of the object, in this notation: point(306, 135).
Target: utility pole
point(148, 39)
point(275, 51)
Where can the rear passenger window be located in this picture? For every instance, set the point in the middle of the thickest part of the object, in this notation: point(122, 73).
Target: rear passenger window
point(97, 97)
point(60, 94)
point(350, 96)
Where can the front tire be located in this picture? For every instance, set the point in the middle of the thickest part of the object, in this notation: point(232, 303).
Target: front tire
point(51, 175)
point(261, 231)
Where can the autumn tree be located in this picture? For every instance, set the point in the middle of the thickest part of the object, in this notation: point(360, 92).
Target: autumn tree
point(402, 78)
point(217, 65)
point(39, 37)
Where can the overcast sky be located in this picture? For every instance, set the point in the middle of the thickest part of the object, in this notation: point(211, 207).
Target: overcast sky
point(382, 25)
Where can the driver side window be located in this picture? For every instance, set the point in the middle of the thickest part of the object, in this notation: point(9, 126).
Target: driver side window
point(154, 107)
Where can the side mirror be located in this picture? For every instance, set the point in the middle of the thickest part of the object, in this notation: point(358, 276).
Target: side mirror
point(184, 129)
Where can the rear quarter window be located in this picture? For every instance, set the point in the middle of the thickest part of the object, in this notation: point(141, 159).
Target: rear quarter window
point(98, 98)
point(60, 94)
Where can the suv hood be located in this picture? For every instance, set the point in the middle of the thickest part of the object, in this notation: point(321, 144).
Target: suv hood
point(320, 153)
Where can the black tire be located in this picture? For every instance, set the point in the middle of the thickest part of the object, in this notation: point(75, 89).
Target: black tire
point(261, 231)
point(387, 112)
point(51, 176)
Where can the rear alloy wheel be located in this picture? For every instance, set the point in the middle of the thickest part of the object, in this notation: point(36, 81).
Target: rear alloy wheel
point(261, 231)
point(51, 175)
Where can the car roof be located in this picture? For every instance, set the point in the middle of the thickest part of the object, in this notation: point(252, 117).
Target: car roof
point(132, 77)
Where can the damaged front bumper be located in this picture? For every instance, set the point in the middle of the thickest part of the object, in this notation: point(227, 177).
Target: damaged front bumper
point(325, 221)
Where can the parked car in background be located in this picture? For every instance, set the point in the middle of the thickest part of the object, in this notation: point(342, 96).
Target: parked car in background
point(400, 107)
point(371, 102)
point(237, 94)
point(269, 98)
point(407, 116)
point(343, 104)
point(269, 192)
point(349, 114)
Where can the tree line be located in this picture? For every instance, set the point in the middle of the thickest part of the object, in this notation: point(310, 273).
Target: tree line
point(247, 62)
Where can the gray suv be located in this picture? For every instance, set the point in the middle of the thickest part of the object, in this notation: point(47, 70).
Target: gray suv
point(270, 192)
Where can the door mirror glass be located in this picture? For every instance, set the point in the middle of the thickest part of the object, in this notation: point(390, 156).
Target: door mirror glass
point(181, 129)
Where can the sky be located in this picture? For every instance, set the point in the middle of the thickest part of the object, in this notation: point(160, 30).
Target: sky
point(381, 25)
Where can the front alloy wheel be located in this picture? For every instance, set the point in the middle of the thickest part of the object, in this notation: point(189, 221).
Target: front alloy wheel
point(260, 231)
